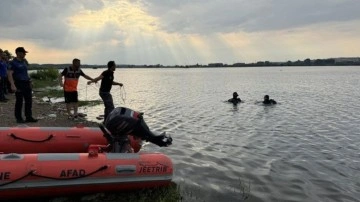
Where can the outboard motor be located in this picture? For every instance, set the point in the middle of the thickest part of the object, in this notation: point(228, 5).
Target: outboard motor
point(124, 121)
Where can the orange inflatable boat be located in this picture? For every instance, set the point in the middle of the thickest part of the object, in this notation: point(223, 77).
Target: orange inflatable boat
point(123, 127)
point(26, 140)
point(45, 175)
point(106, 165)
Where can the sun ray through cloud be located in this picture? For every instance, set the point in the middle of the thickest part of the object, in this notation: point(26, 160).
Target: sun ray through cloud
point(181, 33)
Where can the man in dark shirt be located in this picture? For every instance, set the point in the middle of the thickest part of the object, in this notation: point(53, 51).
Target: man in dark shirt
point(21, 84)
point(107, 80)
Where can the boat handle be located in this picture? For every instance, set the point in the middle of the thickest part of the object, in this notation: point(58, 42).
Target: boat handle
point(12, 156)
point(27, 140)
point(125, 169)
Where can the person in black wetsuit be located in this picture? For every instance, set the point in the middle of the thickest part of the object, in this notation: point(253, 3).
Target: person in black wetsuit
point(235, 99)
point(268, 101)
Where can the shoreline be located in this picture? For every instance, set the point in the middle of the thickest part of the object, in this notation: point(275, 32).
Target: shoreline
point(41, 110)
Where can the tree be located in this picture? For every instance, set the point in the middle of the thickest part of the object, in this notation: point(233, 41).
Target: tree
point(9, 55)
point(307, 62)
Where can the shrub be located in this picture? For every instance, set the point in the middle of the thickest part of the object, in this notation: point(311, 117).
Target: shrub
point(45, 74)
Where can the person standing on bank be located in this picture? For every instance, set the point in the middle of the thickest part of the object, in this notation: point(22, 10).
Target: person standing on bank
point(71, 76)
point(107, 80)
point(20, 83)
point(6, 85)
point(3, 77)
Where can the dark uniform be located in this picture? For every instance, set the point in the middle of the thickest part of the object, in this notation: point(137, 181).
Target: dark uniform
point(24, 90)
point(104, 92)
point(3, 80)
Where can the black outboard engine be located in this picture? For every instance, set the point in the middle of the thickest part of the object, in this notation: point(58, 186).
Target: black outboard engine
point(124, 121)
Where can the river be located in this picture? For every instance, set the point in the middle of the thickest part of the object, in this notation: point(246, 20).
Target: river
point(305, 148)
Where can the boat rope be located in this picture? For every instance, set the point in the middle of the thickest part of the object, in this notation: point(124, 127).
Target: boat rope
point(20, 178)
point(27, 140)
point(122, 93)
point(86, 98)
point(33, 173)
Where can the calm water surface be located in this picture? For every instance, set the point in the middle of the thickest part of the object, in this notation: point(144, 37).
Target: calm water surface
point(306, 148)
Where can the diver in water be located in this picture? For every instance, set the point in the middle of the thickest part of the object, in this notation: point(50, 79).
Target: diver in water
point(235, 99)
point(268, 101)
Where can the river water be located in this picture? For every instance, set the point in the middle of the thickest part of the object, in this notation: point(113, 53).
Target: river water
point(305, 148)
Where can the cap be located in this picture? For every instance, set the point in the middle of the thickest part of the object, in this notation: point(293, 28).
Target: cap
point(235, 94)
point(20, 49)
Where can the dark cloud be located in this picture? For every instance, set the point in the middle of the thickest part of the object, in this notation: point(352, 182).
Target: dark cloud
point(203, 16)
point(23, 12)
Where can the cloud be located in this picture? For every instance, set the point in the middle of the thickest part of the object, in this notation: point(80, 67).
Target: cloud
point(180, 32)
point(44, 22)
point(201, 16)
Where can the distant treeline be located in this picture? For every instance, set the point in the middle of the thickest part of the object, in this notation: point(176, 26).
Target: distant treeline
point(306, 62)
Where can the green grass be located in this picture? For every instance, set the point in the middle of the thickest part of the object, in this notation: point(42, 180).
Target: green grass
point(44, 78)
point(53, 93)
point(44, 83)
point(162, 194)
point(89, 102)
point(172, 193)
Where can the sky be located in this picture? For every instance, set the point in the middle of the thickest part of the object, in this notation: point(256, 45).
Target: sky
point(180, 32)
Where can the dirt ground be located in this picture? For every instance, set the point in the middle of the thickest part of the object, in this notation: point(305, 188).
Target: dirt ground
point(49, 115)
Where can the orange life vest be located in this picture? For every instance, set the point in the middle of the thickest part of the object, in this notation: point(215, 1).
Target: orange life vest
point(71, 79)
